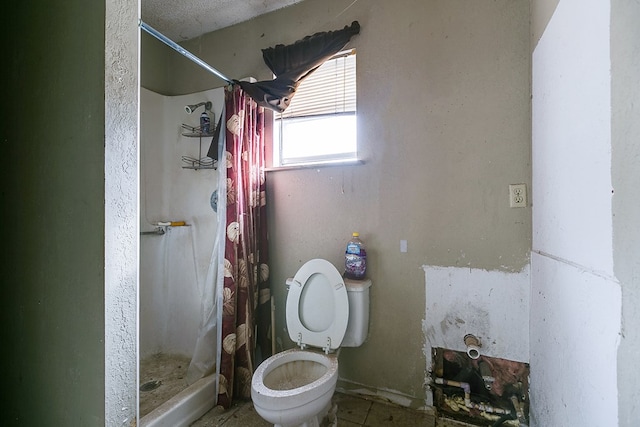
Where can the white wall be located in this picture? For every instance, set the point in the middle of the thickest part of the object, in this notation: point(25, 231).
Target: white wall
point(121, 108)
point(173, 266)
point(575, 298)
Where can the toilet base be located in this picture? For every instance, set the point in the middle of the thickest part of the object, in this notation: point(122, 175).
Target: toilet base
point(326, 418)
point(332, 415)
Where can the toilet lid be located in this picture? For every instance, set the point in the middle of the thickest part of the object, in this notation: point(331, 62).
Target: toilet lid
point(317, 306)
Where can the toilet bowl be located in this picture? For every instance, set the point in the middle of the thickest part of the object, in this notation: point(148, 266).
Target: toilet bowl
point(294, 388)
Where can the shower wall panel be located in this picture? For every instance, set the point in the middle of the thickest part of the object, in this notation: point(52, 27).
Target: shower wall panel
point(173, 265)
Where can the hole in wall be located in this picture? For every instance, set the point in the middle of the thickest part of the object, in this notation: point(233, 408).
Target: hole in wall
point(477, 391)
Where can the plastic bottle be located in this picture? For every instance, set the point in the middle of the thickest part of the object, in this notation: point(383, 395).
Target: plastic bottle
point(205, 123)
point(355, 259)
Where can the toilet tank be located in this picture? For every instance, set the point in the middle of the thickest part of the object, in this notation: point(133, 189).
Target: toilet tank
point(358, 325)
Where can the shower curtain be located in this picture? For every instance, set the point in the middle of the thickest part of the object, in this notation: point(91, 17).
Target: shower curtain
point(239, 265)
point(246, 296)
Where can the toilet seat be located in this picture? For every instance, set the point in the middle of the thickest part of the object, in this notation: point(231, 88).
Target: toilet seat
point(317, 306)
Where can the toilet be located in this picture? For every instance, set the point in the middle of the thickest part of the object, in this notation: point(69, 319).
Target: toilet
point(324, 312)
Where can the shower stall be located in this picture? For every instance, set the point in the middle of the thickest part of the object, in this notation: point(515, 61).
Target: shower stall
point(178, 228)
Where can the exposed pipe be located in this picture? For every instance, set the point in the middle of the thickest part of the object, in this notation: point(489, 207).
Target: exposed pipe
point(502, 420)
point(175, 46)
point(159, 231)
point(487, 375)
point(519, 412)
point(467, 397)
point(473, 346)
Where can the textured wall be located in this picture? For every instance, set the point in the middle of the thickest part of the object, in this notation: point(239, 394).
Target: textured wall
point(121, 170)
point(189, 19)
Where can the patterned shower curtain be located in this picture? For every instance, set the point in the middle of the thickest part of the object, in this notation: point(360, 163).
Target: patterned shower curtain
point(246, 295)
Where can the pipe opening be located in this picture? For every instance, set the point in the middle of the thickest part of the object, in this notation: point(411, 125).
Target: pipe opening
point(150, 385)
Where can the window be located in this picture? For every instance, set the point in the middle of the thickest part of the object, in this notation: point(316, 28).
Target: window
point(319, 126)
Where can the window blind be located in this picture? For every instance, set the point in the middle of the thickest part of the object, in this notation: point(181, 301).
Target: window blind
point(331, 89)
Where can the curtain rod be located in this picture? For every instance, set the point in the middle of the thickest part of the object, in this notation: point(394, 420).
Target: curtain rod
point(155, 33)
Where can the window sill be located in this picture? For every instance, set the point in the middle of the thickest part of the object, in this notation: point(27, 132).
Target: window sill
point(315, 165)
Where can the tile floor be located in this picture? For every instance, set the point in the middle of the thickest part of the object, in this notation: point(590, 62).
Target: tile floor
point(352, 412)
point(170, 371)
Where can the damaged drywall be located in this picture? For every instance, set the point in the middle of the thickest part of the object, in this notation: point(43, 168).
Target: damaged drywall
point(491, 305)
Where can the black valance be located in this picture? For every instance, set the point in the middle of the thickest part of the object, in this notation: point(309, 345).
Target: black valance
point(292, 63)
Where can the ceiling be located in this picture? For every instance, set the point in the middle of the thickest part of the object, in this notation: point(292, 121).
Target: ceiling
point(186, 19)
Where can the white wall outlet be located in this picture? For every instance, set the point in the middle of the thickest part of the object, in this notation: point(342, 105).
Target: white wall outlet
point(518, 195)
point(403, 246)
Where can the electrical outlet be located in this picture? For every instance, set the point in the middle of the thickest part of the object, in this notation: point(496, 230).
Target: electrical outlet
point(518, 195)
